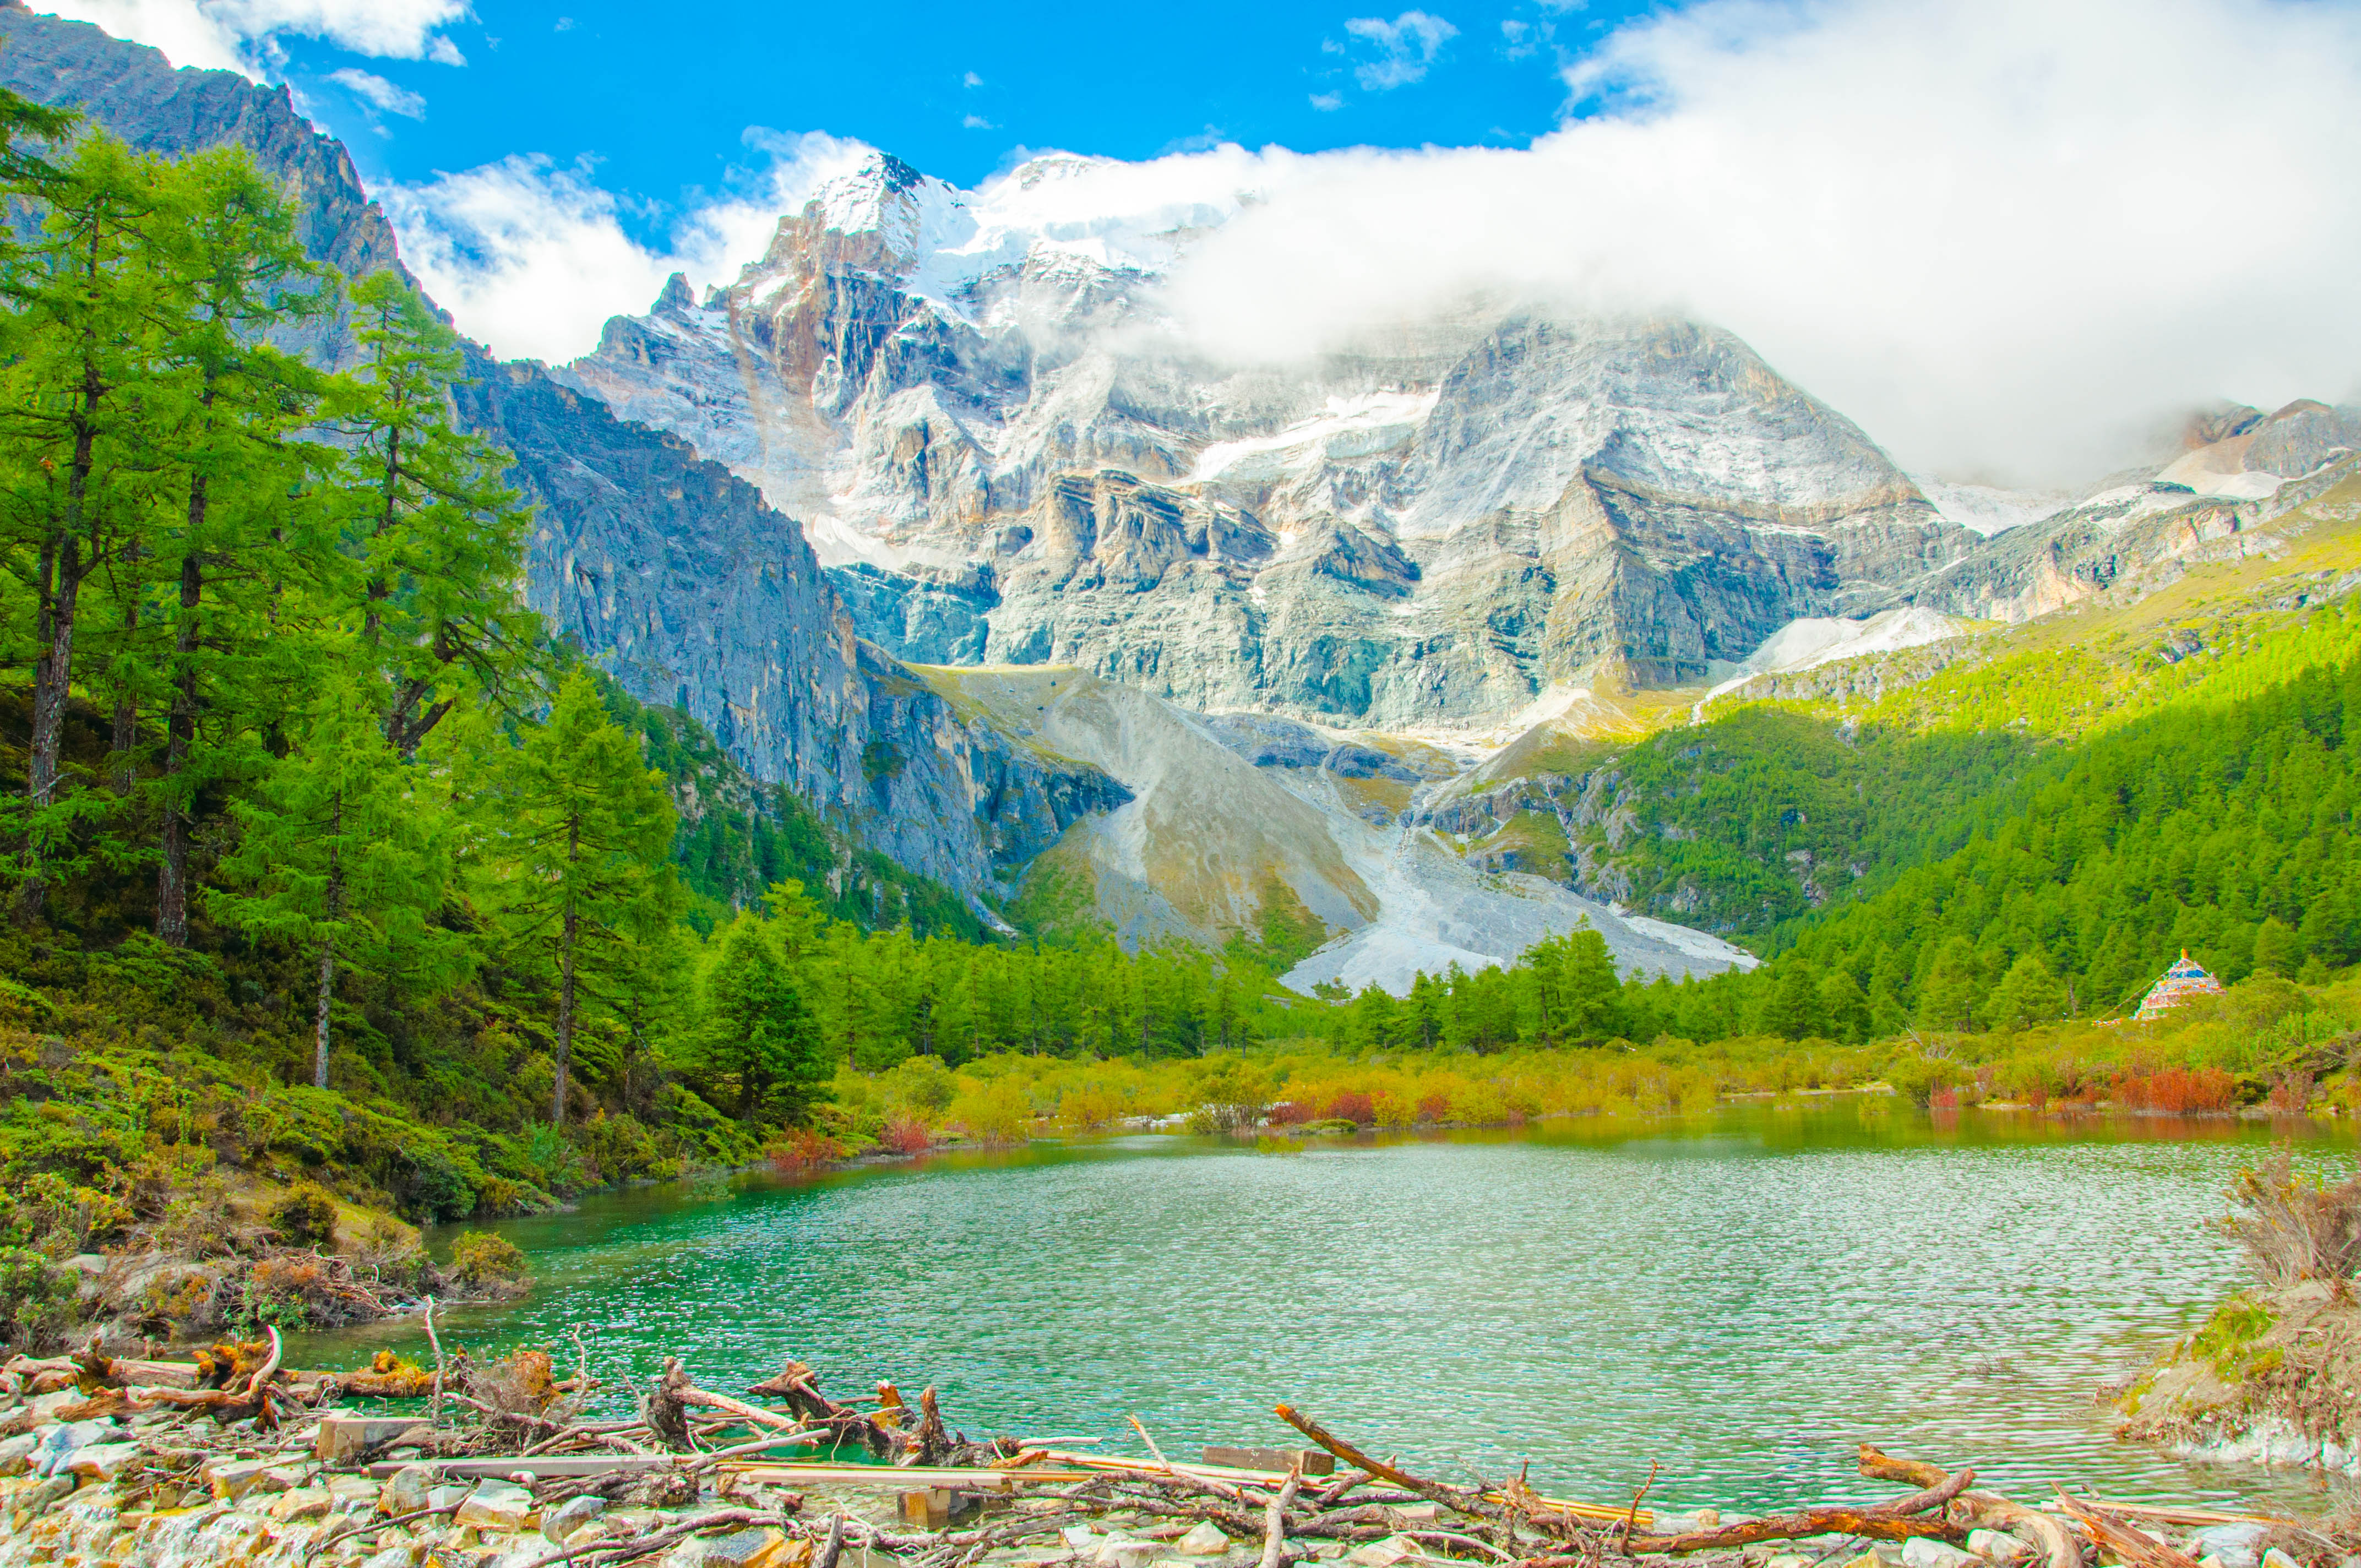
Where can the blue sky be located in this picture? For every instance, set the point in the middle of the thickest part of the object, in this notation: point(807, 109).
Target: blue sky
point(657, 99)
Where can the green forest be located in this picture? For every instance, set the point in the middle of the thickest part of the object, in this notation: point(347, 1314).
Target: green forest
point(323, 860)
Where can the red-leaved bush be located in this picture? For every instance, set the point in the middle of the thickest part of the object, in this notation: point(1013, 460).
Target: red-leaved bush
point(2177, 1091)
point(1352, 1106)
point(907, 1135)
point(803, 1150)
point(1289, 1113)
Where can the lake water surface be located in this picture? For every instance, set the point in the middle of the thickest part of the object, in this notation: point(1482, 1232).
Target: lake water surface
point(1741, 1297)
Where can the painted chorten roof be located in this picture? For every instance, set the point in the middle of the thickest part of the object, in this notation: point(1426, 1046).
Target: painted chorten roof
point(2184, 980)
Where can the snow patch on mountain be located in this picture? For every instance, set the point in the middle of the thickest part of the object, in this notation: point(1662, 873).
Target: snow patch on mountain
point(1989, 509)
point(1348, 428)
point(1814, 640)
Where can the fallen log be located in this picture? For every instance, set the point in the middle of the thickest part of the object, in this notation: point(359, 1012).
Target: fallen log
point(1463, 1499)
point(1982, 1510)
point(1274, 1526)
point(1837, 1520)
point(2130, 1544)
point(1899, 1519)
point(706, 1400)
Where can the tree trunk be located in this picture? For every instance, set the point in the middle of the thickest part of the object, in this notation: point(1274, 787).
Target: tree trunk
point(573, 931)
point(335, 901)
point(172, 874)
point(62, 588)
point(319, 1019)
point(53, 671)
point(126, 718)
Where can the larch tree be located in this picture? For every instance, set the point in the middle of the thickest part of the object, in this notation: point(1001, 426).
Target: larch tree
point(757, 1026)
point(344, 854)
point(576, 835)
point(78, 355)
point(249, 524)
point(440, 540)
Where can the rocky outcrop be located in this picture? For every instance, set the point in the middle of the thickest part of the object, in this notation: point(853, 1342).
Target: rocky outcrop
point(664, 567)
point(992, 427)
point(2130, 539)
point(679, 579)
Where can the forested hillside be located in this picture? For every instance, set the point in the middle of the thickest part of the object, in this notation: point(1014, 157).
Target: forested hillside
point(1821, 789)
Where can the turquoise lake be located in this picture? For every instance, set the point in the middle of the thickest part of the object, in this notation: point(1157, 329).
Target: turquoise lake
point(1739, 1298)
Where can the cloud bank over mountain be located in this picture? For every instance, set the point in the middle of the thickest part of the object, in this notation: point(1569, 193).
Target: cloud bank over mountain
point(2008, 238)
point(1997, 231)
point(532, 258)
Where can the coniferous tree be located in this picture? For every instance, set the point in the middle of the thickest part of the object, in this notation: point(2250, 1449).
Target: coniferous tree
point(440, 540)
point(576, 832)
point(1948, 999)
point(1844, 1008)
point(1793, 1010)
point(2278, 949)
point(249, 560)
point(90, 303)
point(757, 1027)
point(2027, 995)
point(344, 855)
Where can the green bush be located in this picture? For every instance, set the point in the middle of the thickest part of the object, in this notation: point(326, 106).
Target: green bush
point(306, 1215)
point(37, 1299)
point(50, 1215)
point(479, 1259)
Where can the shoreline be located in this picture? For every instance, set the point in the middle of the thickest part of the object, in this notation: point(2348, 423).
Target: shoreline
point(260, 1473)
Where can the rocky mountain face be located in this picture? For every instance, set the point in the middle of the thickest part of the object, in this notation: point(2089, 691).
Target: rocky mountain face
point(668, 571)
point(934, 517)
point(2234, 491)
point(1008, 455)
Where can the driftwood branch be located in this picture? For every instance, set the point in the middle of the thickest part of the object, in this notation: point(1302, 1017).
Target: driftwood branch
point(1465, 1499)
point(1274, 1524)
point(1983, 1510)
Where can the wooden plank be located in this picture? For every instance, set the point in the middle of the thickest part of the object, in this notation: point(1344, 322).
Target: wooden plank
point(893, 1478)
point(2168, 1514)
point(539, 1464)
point(887, 1476)
point(1316, 1461)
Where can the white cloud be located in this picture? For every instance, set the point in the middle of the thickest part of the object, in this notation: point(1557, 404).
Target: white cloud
point(977, 123)
point(970, 80)
point(242, 35)
point(1522, 40)
point(1405, 48)
point(393, 100)
point(1328, 101)
point(2001, 234)
point(531, 258)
